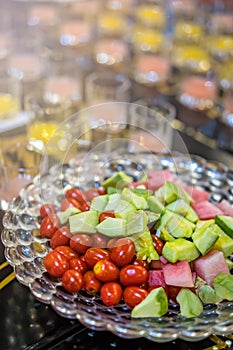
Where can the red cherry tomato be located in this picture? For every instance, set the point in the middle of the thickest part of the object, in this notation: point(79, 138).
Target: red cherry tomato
point(93, 192)
point(172, 292)
point(69, 202)
point(133, 275)
point(65, 250)
point(111, 293)
point(60, 237)
point(56, 264)
point(49, 225)
point(133, 295)
point(72, 281)
point(106, 214)
point(76, 194)
point(140, 262)
point(93, 255)
point(111, 243)
point(106, 271)
point(78, 265)
point(158, 243)
point(92, 284)
point(85, 206)
point(123, 252)
point(81, 242)
point(47, 210)
point(99, 240)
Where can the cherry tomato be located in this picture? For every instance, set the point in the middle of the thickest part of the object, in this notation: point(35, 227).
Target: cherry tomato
point(157, 243)
point(93, 192)
point(93, 255)
point(72, 281)
point(133, 275)
point(172, 292)
point(111, 293)
point(47, 210)
point(81, 242)
point(69, 202)
point(123, 252)
point(106, 271)
point(92, 284)
point(133, 295)
point(60, 237)
point(78, 265)
point(140, 262)
point(85, 206)
point(76, 194)
point(56, 264)
point(49, 225)
point(65, 250)
point(111, 243)
point(99, 240)
point(106, 214)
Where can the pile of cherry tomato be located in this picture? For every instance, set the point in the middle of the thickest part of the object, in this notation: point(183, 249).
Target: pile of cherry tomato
point(96, 263)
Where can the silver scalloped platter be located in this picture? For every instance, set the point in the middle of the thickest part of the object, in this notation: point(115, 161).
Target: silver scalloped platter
point(25, 250)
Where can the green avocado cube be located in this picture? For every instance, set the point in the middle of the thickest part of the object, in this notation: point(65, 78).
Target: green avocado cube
point(136, 222)
point(113, 201)
point(226, 224)
point(180, 249)
point(123, 209)
point(154, 305)
point(112, 227)
point(204, 238)
point(64, 215)
point(139, 202)
point(155, 204)
point(85, 222)
point(181, 207)
point(99, 203)
point(118, 180)
point(224, 242)
point(170, 191)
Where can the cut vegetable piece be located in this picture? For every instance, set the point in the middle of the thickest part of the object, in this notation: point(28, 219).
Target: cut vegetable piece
point(64, 215)
point(225, 207)
point(224, 242)
point(170, 191)
point(226, 224)
point(118, 180)
point(180, 249)
point(155, 205)
point(156, 278)
point(84, 222)
point(179, 227)
point(154, 305)
point(208, 295)
point(210, 265)
point(136, 223)
point(124, 209)
point(223, 284)
point(99, 203)
point(205, 237)
point(113, 201)
point(190, 304)
point(157, 178)
point(144, 246)
point(198, 195)
point(112, 227)
point(178, 274)
point(206, 210)
point(183, 208)
point(138, 201)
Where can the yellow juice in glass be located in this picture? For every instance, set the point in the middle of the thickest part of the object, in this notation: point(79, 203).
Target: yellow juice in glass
point(9, 105)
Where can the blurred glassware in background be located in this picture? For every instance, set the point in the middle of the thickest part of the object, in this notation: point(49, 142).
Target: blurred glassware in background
point(197, 92)
point(227, 105)
point(10, 97)
point(45, 117)
point(18, 166)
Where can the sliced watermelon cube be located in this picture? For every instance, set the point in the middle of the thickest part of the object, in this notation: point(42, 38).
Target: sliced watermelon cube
point(197, 195)
point(157, 178)
point(156, 278)
point(178, 274)
point(210, 265)
point(226, 207)
point(206, 210)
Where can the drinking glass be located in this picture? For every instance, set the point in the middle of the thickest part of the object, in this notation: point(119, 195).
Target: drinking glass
point(9, 98)
point(18, 166)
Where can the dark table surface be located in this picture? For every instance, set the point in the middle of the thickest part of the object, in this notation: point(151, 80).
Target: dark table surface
point(28, 324)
